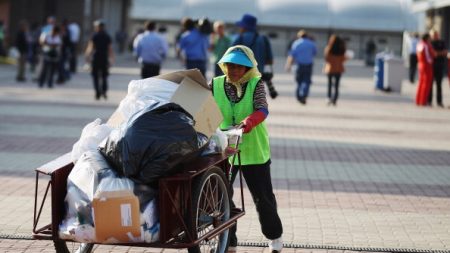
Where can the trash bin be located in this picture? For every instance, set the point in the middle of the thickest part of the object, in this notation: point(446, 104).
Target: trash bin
point(389, 71)
point(379, 71)
point(394, 72)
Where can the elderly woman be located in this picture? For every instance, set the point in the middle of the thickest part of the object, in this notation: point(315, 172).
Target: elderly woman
point(241, 97)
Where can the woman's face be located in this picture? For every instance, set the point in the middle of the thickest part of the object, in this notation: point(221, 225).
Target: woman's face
point(235, 71)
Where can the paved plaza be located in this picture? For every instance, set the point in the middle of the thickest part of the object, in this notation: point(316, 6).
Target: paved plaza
point(370, 174)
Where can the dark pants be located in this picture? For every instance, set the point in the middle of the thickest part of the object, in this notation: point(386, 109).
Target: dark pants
point(100, 70)
point(259, 184)
point(438, 74)
point(63, 72)
point(333, 87)
point(412, 67)
point(149, 70)
point(303, 78)
point(21, 63)
point(48, 71)
point(73, 57)
point(197, 64)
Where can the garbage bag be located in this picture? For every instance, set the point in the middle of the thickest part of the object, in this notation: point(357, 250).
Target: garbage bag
point(92, 134)
point(152, 143)
point(85, 174)
point(82, 183)
point(146, 92)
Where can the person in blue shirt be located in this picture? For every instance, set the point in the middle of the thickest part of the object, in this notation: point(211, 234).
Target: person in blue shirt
point(193, 47)
point(260, 45)
point(302, 53)
point(151, 49)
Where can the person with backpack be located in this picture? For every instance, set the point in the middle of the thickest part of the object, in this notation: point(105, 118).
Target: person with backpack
point(260, 46)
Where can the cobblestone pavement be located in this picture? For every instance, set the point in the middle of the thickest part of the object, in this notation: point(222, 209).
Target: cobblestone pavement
point(371, 174)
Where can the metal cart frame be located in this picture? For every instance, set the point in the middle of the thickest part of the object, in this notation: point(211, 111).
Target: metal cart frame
point(175, 197)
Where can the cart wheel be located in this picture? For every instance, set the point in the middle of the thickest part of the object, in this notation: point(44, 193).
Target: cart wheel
point(211, 207)
point(68, 247)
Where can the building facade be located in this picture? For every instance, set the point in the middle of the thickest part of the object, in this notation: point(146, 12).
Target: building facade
point(357, 21)
point(435, 15)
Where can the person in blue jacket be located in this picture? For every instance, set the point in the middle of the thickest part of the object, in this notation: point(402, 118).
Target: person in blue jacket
point(193, 47)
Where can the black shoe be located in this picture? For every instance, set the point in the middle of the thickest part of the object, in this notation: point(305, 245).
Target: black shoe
point(21, 79)
point(104, 96)
point(273, 93)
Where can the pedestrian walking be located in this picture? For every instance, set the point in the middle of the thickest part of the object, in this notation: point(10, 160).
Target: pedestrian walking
point(193, 47)
point(99, 53)
point(260, 45)
point(425, 55)
point(33, 46)
point(2, 38)
point(412, 47)
point(334, 66)
point(51, 49)
point(63, 64)
point(151, 50)
point(74, 31)
point(371, 49)
point(121, 39)
point(240, 95)
point(45, 30)
point(439, 67)
point(302, 54)
point(448, 68)
point(220, 42)
point(22, 46)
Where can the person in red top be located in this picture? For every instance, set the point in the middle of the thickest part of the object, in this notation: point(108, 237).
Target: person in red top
point(425, 55)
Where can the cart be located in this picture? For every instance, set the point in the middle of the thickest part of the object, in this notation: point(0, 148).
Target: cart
point(195, 205)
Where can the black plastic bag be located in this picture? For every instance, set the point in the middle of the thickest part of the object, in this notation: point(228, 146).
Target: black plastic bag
point(152, 143)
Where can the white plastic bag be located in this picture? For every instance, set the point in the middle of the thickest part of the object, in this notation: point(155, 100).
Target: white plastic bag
point(84, 174)
point(150, 222)
point(145, 92)
point(115, 183)
point(92, 134)
point(217, 143)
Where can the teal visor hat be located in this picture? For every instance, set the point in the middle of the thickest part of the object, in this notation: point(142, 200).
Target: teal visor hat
point(237, 56)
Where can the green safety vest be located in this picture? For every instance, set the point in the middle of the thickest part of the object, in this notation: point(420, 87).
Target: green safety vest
point(255, 147)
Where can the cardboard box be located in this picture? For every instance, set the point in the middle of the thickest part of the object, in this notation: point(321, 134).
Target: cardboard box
point(194, 96)
point(116, 214)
